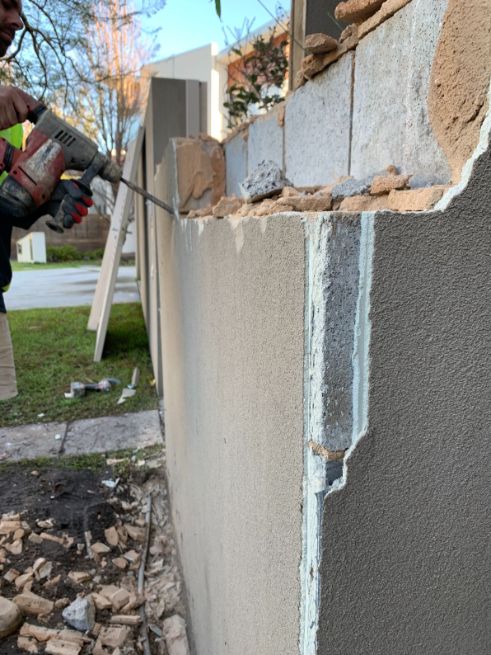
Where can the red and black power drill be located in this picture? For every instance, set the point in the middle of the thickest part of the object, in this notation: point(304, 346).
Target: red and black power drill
point(52, 148)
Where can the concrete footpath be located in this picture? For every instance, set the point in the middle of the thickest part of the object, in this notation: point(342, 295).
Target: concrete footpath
point(93, 435)
point(66, 287)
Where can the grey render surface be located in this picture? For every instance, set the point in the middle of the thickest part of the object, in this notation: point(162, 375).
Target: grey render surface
point(233, 335)
point(405, 542)
point(391, 85)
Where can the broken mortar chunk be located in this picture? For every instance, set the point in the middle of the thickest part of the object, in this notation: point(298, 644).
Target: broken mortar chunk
point(265, 181)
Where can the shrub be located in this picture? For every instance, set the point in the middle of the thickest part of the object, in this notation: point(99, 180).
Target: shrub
point(65, 253)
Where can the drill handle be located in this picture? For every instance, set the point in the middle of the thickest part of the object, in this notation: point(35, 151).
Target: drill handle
point(36, 107)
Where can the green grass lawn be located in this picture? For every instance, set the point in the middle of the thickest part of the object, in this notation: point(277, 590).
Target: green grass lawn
point(53, 348)
point(17, 266)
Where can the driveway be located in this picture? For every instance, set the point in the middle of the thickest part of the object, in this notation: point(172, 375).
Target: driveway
point(66, 287)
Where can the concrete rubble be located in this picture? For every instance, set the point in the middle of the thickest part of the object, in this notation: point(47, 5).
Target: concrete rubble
point(265, 181)
point(103, 619)
point(384, 190)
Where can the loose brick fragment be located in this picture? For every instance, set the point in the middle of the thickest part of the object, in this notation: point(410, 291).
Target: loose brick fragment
point(225, 207)
point(415, 200)
point(319, 43)
point(60, 647)
point(112, 536)
point(356, 11)
point(27, 645)
point(33, 604)
point(364, 203)
point(386, 183)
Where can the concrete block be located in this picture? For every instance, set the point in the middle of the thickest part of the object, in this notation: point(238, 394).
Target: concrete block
point(390, 111)
point(29, 441)
point(266, 140)
point(99, 435)
point(236, 155)
point(265, 180)
point(317, 127)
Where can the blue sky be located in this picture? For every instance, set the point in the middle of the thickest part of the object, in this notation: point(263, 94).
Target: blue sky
point(188, 24)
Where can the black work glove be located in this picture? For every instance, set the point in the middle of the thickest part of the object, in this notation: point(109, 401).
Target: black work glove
point(74, 199)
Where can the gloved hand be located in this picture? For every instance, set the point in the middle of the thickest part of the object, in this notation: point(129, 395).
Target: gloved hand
point(74, 199)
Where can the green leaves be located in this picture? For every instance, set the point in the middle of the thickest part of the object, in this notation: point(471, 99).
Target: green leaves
point(218, 7)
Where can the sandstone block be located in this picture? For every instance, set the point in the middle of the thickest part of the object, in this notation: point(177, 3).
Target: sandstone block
point(363, 203)
point(356, 11)
point(415, 200)
point(10, 617)
point(320, 43)
point(199, 172)
point(386, 183)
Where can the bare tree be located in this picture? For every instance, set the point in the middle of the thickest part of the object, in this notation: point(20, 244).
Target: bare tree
point(112, 92)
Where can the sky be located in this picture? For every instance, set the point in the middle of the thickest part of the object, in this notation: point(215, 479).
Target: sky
point(188, 24)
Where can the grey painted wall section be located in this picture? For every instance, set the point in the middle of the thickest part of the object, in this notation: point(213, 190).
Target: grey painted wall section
point(236, 162)
point(233, 342)
point(390, 112)
point(317, 127)
point(266, 141)
point(405, 559)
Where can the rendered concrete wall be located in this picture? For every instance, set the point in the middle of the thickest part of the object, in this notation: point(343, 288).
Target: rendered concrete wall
point(236, 157)
point(317, 127)
point(390, 110)
point(405, 562)
point(233, 345)
point(266, 140)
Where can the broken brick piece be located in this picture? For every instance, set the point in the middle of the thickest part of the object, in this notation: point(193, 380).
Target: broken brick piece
point(112, 536)
point(126, 619)
point(415, 200)
point(60, 647)
point(356, 11)
point(100, 549)
point(114, 636)
point(386, 183)
point(225, 207)
point(27, 644)
point(31, 603)
point(37, 632)
point(319, 43)
point(364, 203)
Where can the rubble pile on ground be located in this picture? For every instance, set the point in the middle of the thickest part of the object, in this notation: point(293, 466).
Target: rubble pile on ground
point(386, 190)
point(112, 596)
point(363, 17)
